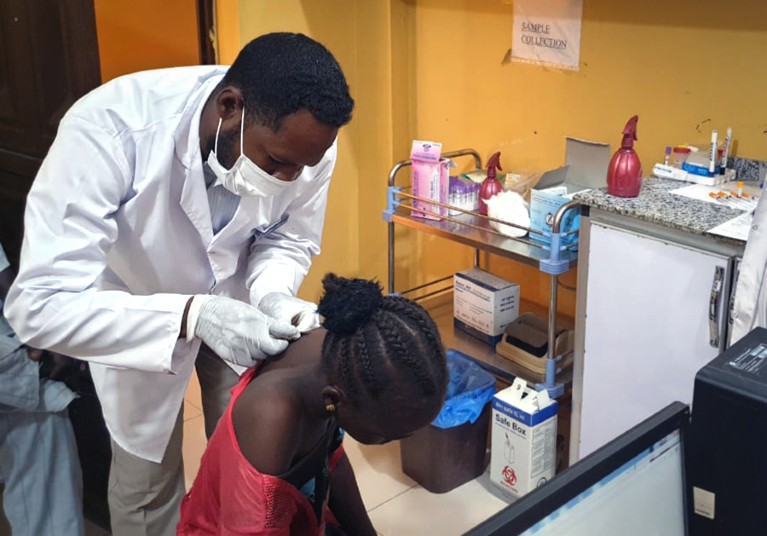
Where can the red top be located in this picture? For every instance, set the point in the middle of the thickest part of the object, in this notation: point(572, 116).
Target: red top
point(230, 497)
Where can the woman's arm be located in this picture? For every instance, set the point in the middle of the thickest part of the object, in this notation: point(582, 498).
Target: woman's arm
point(346, 502)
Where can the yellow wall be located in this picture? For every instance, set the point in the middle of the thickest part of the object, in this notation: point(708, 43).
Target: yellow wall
point(685, 67)
point(433, 69)
point(227, 41)
point(135, 35)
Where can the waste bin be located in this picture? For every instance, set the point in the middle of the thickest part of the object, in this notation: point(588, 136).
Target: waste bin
point(452, 449)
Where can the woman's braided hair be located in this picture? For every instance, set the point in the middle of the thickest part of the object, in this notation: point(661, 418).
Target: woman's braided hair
point(375, 342)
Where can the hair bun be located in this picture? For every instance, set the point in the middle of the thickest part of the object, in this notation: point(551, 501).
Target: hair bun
point(347, 303)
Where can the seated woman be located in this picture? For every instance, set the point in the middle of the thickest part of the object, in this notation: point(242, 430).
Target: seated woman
point(376, 370)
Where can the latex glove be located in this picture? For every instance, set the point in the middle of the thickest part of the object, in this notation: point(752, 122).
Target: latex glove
point(286, 308)
point(237, 332)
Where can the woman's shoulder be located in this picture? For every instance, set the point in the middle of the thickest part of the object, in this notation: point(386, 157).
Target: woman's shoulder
point(267, 421)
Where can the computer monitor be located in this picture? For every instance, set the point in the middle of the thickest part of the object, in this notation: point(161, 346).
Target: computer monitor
point(634, 485)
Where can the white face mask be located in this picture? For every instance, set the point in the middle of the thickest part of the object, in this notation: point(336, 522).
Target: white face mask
point(245, 178)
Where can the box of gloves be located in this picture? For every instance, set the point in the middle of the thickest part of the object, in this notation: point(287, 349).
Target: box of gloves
point(523, 439)
point(585, 167)
point(483, 304)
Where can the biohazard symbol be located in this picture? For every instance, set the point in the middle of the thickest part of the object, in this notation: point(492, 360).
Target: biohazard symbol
point(509, 476)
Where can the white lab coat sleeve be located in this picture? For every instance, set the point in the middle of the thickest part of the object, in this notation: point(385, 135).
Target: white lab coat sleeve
point(279, 261)
point(750, 307)
point(69, 229)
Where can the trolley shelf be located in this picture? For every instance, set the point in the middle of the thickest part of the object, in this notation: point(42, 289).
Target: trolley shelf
point(441, 310)
point(483, 239)
point(475, 231)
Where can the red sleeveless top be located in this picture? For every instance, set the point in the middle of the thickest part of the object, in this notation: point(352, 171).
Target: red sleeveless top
point(230, 497)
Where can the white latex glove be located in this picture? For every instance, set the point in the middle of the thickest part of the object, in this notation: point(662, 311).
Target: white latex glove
point(285, 308)
point(236, 331)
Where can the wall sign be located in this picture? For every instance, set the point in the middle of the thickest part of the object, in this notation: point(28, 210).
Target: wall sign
point(547, 32)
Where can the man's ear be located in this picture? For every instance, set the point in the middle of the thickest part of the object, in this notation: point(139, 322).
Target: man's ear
point(229, 102)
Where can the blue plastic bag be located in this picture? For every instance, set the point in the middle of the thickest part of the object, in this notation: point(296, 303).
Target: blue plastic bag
point(470, 388)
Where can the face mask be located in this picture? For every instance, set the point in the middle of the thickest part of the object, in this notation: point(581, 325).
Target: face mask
point(245, 178)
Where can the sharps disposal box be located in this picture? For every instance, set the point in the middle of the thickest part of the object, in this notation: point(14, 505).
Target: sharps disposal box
point(727, 442)
point(483, 304)
point(524, 439)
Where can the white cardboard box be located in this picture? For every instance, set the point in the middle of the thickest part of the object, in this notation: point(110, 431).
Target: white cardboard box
point(585, 167)
point(524, 439)
point(483, 304)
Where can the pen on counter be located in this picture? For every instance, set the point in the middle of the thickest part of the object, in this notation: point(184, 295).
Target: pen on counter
point(726, 152)
point(712, 153)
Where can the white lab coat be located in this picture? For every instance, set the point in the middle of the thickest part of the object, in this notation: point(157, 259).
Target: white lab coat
point(750, 307)
point(118, 237)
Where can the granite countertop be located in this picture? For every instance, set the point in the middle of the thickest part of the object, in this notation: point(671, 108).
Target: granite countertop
point(656, 204)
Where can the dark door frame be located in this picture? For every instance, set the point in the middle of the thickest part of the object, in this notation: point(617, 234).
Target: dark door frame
point(206, 31)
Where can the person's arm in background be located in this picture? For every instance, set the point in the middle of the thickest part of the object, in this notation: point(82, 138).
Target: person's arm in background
point(69, 230)
point(6, 275)
point(346, 502)
point(278, 263)
point(56, 365)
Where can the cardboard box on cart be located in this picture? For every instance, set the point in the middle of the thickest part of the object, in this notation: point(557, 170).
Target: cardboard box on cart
point(484, 304)
point(523, 439)
point(585, 167)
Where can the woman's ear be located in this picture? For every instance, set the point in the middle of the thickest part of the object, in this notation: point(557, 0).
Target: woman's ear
point(332, 395)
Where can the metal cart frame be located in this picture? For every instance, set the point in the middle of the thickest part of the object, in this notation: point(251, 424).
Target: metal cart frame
point(474, 230)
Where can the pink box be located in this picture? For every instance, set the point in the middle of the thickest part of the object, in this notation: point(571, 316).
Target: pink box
point(429, 179)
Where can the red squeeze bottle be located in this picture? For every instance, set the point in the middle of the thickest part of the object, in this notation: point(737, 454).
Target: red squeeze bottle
point(624, 174)
point(491, 185)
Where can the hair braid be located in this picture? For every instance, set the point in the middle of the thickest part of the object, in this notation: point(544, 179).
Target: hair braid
point(425, 325)
point(366, 366)
point(380, 345)
point(415, 366)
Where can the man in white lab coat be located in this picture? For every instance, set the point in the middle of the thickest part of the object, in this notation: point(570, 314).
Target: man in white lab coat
point(750, 306)
point(179, 208)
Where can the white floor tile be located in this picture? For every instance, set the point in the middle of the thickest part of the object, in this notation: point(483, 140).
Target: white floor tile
point(378, 471)
point(191, 410)
point(417, 511)
point(194, 446)
point(193, 391)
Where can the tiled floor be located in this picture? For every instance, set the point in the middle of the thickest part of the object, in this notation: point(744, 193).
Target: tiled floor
point(398, 506)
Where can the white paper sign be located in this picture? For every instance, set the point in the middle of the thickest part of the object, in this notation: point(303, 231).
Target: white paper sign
point(547, 32)
point(737, 228)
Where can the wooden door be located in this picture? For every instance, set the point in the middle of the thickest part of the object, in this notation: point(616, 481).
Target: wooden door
point(48, 59)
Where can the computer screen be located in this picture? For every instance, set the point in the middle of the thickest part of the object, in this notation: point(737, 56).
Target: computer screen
point(634, 485)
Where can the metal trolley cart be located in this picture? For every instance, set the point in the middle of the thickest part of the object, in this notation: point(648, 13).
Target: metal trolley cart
point(474, 230)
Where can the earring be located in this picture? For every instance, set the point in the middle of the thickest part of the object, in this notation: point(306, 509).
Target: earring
point(330, 408)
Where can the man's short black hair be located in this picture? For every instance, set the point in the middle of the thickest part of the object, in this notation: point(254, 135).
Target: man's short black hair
point(281, 73)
